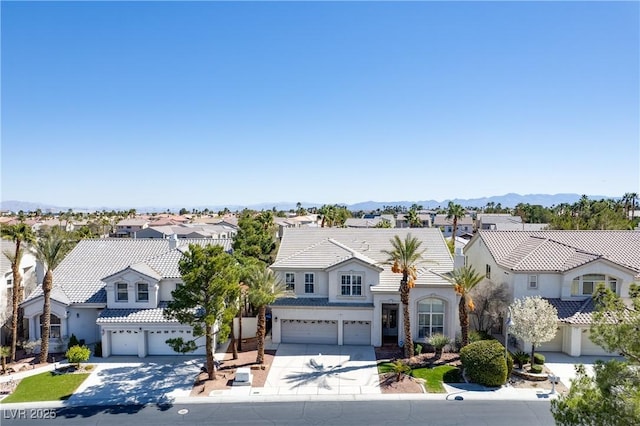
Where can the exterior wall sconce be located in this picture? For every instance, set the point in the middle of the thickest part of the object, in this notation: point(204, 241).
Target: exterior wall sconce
point(276, 319)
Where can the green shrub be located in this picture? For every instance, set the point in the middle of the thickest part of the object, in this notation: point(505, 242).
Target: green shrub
point(417, 348)
point(538, 359)
point(521, 358)
point(77, 354)
point(535, 368)
point(509, 363)
point(484, 362)
point(73, 341)
point(477, 335)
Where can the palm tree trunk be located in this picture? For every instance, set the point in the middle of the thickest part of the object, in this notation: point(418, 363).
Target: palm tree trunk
point(47, 284)
point(404, 298)
point(262, 310)
point(464, 320)
point(211, 366)
point(234, 342)
point(455, 227)
point(16, 299)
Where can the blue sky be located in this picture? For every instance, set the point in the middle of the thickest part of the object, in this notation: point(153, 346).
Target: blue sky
point(221, 103)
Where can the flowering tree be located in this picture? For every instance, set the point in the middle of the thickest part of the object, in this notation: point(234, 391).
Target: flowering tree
point(535, 320)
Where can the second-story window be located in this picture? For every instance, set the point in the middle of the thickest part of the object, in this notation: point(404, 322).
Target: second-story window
point(122, 293)
point(533, 282)
point(351, 285)
point(290, 281)
point(142, 293)
point(309, 279)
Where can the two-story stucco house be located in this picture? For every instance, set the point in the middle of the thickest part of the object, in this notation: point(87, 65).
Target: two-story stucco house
point(343, 292)
point(563, 267)
point(114, 291)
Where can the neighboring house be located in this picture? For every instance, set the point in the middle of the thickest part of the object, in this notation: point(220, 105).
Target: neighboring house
point(188, 231)
point(464, 225)
point(367, 222)
point(306, 221)
point(128, 227)
point(31, 275)
point(114, 291)
point(506, 222)
point(343, 292)
point(563, 267)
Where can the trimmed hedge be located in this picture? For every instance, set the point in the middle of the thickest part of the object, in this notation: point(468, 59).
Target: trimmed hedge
point(535, 368)
point(484, 362)
point(538, 359)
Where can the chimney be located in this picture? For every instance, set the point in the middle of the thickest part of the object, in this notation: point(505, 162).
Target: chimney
point(173, 242)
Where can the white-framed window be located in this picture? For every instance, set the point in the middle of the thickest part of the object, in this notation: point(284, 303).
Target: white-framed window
point(122, 292)
point(54, 326)
point(351, 285)
point(488, 271)
point(290, 281)
point(430, 317)
point(533, 282)
point(10, 282)
point(309, 279)
point(585, 285)
point(142, 292)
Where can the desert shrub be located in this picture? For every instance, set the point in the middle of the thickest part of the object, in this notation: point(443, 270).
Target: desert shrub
point(73, 341)
point(521, 358)
point(452, 376)
point(535, 368)
point(439, 341)
point(538, 359)
point(97, 350)
point(417, 348)
point(484, 362)
point(477, 335)
point(77, 354)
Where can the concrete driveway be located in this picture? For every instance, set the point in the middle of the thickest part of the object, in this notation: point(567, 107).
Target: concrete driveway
point(563, 365)
point(300, 369)
point(121, 380)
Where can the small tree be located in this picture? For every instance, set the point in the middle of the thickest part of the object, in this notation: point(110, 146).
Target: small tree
point(491, 300)
point(535, 321)
point(77, 354)
point(210, 276)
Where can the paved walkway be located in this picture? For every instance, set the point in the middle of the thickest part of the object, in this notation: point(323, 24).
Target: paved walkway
point(563, 365)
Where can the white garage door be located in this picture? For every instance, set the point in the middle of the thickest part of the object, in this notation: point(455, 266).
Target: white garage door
point(356, 333)
point(587, 347)
point(555, 345)
point(307, 331)
point(156, 342)
point(124, 342)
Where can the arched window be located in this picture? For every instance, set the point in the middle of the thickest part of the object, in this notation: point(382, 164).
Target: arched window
point(585, 285)
point(430, 317)
point(54, 326)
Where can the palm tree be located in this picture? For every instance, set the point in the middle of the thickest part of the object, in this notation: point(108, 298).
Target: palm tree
point(264, 288)
point(455, 212)
point(414, 219)
point(404, 258)
point(50, 250)
point(19, 233)
point(464, 280)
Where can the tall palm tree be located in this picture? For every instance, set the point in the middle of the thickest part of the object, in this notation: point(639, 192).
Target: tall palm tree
point(50, 250)
point(414, 219)
point(404, 258)
point(455, 212)
point(464, 280)
point(264, 288)
point(21, 234)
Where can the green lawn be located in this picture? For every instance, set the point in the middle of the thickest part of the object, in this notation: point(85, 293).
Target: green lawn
point(434, 377)
point(46, 387)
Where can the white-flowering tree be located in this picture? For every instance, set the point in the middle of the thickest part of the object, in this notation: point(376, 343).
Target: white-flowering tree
point(534, 320)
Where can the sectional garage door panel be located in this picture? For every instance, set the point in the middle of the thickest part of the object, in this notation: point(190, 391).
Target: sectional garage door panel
point(554, 345)
point(124, 343)
point(587, 347)
point(156, 342)
point(309, 331)
point(356, 333)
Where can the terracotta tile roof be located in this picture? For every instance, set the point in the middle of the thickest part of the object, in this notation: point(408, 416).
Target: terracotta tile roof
point(562, 250)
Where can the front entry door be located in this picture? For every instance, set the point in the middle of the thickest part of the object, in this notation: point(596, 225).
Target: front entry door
point(390, 323)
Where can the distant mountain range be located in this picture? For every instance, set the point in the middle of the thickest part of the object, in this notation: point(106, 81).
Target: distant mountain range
point(507, 200)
